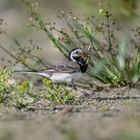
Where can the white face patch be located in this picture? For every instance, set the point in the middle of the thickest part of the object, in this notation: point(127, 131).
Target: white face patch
point(75, 53)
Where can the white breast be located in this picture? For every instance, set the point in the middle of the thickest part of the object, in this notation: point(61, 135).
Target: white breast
point(65, 77)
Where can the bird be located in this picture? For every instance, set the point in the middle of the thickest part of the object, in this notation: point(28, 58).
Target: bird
point(68, 71)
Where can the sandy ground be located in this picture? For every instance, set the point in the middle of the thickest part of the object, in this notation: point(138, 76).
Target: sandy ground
point(108, 114)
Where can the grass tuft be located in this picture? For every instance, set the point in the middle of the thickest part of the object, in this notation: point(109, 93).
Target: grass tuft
point(110, 59)
point(58, 94)
point(110, 62)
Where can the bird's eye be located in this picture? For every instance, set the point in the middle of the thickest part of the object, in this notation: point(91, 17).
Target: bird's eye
point(76, 52)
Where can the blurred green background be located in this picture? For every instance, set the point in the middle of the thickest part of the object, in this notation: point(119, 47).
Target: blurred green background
point(15, 15)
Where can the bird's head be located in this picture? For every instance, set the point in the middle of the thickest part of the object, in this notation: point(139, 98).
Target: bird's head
point(78, 55)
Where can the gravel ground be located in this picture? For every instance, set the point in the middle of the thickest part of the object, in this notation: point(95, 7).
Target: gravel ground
point(109, 114)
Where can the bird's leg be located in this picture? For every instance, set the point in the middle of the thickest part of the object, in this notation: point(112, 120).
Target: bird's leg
point(73, 86)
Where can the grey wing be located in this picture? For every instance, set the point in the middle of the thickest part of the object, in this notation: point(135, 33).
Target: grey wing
point(68, 67)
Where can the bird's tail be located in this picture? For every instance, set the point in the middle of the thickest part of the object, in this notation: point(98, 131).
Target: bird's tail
point(26, 72)
point(32, 72)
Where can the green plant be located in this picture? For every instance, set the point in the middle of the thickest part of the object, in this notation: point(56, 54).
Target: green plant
point(57, 94)
point(24, 54)
point(23, 94)
point(19, 93)
point(110, 61)
point(5, 75)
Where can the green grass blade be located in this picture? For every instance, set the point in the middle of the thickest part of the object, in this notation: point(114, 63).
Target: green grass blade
point(122, 53)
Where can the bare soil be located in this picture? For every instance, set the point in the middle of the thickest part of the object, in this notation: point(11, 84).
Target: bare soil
point(109, 114)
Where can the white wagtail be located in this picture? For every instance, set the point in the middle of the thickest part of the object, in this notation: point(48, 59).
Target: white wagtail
point(69, 71)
